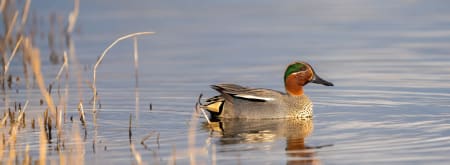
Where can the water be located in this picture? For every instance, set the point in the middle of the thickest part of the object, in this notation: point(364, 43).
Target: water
point(389, 62)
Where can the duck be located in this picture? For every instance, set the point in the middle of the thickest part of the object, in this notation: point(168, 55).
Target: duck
point(236, 101)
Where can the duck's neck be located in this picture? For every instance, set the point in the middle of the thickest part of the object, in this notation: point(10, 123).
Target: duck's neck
point(292, 86)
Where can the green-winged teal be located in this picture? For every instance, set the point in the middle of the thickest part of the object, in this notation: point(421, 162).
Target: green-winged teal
point(237, 101)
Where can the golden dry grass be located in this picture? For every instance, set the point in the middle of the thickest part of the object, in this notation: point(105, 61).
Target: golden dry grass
point(42, 142)
point(79, 146)
point(18, 40)
point(34, 53)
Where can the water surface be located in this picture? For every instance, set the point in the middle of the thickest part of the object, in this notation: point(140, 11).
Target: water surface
point(389, 62)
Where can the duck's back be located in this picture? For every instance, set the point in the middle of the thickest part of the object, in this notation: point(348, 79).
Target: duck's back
point(257, 103)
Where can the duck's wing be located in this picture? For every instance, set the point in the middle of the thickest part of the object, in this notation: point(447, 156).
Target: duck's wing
point(230, 91)
point(214, 104)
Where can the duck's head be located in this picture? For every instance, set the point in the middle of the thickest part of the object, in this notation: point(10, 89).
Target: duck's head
point(297, 75)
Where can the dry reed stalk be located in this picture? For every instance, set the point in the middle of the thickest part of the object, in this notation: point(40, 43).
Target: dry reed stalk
point(21, 114)
point(136, 94)
point(94, 139)
point(62, 158)
point(42, 143)
point(6, 101)
point(191, 137)
point(81, 112)
point(11, 26)
point(136, 154)
point(71, 46)
point(173, 156)
point(66, 89)
point(12, 148)
point(2, 146)
point(11, 116)
point(63, 66)
point(34, 54)
point(2, 5)
point(157, 139)
point(129, 129)
point(136, 88)
point(25, 11)
point(13, 53)
point(3, 121)
point(49, 128)
point(100, 59)
point(59, 124)
point(136, 58)
point(63, 102)
point(73, 17)
point(146, 137)
point(26, 8)
point(13, 133)
point(11, 142)
point(26, 159)
point(199, 108)
point(33, 123)
point(205, 115)
point(79, 145)
point(45, 117)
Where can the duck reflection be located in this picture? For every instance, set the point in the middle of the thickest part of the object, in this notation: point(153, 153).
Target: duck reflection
point(238, 131)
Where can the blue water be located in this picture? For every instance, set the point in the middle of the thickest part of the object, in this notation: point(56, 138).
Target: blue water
point(389, 62)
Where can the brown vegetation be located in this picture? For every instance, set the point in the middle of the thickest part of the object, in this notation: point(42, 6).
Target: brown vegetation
point(17, 41)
